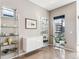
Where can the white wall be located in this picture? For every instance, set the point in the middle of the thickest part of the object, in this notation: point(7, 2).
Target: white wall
point(77, 20)
point(70, 23)
point(26, 9)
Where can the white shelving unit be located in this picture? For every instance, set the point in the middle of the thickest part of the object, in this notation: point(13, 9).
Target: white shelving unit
point(44, 30)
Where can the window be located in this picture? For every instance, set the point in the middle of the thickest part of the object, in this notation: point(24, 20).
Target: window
point(6, 12)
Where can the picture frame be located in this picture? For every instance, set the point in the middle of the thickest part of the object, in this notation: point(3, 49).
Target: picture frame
point(30, 23)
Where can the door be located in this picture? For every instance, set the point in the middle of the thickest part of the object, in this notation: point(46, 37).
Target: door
point(59, 31)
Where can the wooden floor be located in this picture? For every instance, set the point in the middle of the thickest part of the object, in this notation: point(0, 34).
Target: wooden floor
point(51, 53)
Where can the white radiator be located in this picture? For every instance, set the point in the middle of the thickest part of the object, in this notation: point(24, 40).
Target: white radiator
point(32, 43)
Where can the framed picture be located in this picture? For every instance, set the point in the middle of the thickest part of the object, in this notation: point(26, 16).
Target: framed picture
point(30, 23)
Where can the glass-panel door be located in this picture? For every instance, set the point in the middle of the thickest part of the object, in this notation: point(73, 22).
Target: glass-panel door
point(58, 32)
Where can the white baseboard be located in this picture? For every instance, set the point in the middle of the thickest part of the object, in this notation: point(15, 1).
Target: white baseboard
point(18, 55)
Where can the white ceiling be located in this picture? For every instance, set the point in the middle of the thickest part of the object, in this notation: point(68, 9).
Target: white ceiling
point(51, 4)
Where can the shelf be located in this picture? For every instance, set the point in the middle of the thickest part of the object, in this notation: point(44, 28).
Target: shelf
point(8, 27)
point(59, 25)
point(9, 52)
point(9, 35)
point(58, 32)
point(7, 45)
point(9, 18)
